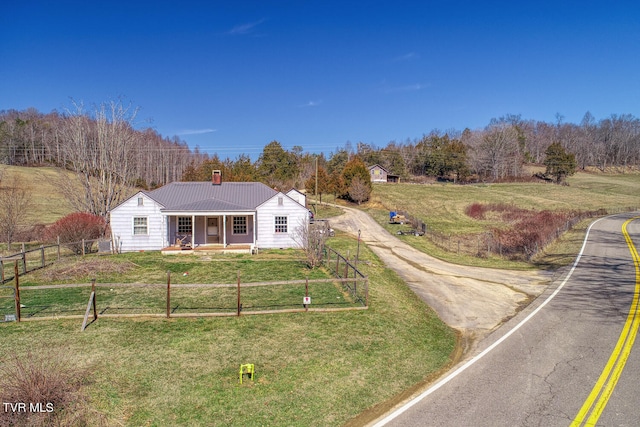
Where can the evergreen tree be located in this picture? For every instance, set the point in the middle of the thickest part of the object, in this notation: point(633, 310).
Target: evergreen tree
point(560, 164)
point(277, 166)
point(323, 183)
point(356, 168)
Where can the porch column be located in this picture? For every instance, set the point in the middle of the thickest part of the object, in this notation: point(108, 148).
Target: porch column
point(224, 231)
point(193, 231)
point(255, 225)
point(167, 231)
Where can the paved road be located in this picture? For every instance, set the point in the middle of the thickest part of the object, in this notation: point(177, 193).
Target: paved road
point(541, 372)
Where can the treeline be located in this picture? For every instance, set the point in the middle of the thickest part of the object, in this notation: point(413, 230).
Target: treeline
point(31, 138)
point(502, 148)
point(105, 139)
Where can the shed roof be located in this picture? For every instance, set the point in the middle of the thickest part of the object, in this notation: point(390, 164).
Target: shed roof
point(377, 166)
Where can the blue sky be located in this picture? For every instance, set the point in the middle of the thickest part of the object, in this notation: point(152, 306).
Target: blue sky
point(232, 76)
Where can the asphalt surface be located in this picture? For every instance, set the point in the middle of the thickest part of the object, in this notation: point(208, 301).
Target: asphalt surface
point(539, 368)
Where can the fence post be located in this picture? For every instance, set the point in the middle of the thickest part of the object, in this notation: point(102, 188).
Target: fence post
point(58, 248)
point(2, 269)
point(366, 292)
point(239, 305)
point(306, 293)
point(82, 247)
point(24, 260)
point(42, 254)
point(17, 298)
point(92, 301)
point(355, 282)
point(93, 292)
point(168, 294)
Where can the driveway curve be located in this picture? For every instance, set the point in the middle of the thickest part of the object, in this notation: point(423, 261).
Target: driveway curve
point(473, 300)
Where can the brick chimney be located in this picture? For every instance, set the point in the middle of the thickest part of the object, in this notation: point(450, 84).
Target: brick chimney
point(216, 178)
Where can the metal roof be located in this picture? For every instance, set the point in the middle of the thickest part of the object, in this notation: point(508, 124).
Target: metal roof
point(205, 196)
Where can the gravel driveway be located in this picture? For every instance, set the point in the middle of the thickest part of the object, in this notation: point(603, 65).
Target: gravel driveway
point(472, 300)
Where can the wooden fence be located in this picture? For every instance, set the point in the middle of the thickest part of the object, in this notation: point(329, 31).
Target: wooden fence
point(348, 290)
point(39, 257)
point(69, 301)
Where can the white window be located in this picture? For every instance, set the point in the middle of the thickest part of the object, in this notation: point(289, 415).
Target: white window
point(140, 226)
point(280, 201)
point(239, 225)
point(184, 224)
point(140, 201)
point(281, 224)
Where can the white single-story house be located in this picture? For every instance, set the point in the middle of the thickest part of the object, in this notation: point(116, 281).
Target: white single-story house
point(209, 214)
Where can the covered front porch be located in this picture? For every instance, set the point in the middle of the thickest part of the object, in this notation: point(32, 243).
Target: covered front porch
point(191, 231)
point(213, 249)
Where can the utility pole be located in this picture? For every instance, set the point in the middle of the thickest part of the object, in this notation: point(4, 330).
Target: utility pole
point(316, 193)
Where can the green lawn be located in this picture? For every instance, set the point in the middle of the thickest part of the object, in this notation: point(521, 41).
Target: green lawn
point(311, 368)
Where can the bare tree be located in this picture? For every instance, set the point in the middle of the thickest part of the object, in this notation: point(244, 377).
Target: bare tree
point(311, 238)
point(358, 190)
point(101, 152)
point(496, 152)
point(15, 201)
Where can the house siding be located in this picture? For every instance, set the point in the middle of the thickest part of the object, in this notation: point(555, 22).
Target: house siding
point(378, 174)
point(239, 238)
point(297, 215)
point(121, 222)
point(298, 197)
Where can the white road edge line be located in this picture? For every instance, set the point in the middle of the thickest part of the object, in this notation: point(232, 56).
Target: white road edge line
point(462, 368)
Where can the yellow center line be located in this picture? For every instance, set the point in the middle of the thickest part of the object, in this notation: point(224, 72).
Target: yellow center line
point(613, 369)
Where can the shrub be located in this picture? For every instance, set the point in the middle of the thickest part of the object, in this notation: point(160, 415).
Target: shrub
point(75, 227)
point(526, 230)
point(50, 384)
point(476, 210)
point(531, 232)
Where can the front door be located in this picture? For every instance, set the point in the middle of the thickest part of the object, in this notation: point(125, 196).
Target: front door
point(213, 230)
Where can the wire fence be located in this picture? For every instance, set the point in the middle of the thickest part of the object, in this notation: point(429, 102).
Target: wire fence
point(354, 281)
point(348, 289)
point(483, 245)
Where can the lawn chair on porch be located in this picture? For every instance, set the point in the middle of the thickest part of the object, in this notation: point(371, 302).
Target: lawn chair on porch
point(183, 241)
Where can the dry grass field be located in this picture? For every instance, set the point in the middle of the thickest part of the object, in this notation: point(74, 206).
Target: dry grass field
point(48, 204)
point(442, 207)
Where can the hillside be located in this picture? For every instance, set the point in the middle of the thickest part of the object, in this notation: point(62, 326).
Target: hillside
point(442, 207)
point(48, 204)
